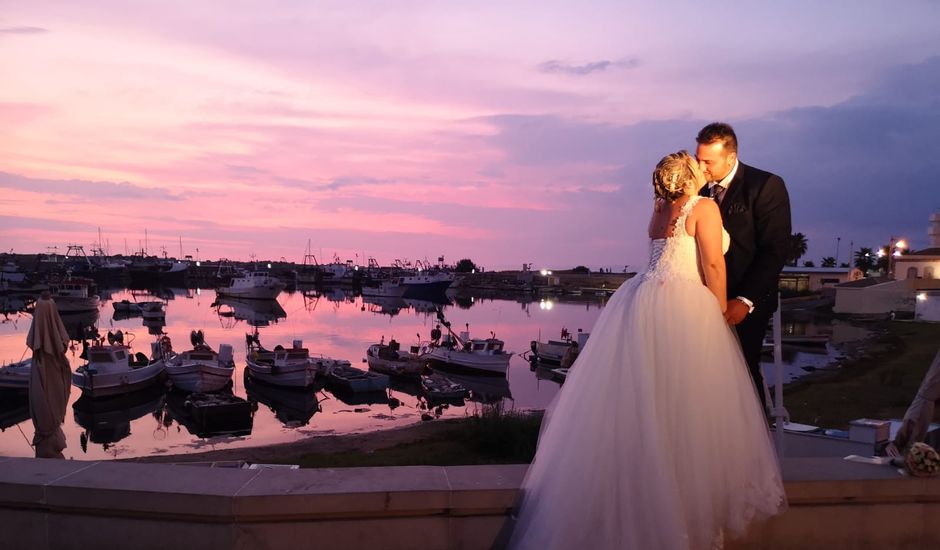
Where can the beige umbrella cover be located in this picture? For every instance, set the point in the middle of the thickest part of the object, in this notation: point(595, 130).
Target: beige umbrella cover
point(49, 379)
point(919, 415)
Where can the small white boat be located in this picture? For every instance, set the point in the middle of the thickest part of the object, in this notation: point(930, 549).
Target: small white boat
point(438, 386)
point(389, 289)
point(201, 369)
point(484, 355)
point(389, 359)
point(292, 367)
point(351, 379)
point(112, 368)
point(126, 306)
point(560, 352)
point(72, 295)
point(152, 310)
point(254, 284)
point(16, 375)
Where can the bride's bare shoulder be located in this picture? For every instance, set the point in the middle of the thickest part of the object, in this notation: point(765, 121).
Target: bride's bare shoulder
point(706, 207)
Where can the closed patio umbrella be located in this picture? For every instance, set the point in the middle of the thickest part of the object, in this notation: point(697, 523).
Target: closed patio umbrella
point(49, 382)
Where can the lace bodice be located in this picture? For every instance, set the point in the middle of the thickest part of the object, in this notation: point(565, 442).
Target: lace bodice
point(676, 257)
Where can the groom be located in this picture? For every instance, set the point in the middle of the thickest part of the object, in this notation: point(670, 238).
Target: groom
point(755, 210)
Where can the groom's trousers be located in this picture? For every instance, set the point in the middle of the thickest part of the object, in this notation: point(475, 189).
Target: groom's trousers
point(751, 332)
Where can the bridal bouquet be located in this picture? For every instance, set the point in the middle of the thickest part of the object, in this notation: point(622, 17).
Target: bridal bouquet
point(922, 460)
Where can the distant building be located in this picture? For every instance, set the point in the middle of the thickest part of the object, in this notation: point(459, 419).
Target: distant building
point(813, 279)
point(920, 264)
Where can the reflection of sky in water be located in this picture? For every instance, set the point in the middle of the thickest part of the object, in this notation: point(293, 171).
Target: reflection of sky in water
point(143, 424)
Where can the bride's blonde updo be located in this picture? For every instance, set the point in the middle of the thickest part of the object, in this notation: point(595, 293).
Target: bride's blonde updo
point(674, 176)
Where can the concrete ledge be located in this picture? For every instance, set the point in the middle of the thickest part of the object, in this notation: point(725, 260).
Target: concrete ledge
point(74, 504)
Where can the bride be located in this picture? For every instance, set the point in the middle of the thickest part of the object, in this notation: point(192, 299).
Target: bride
point(657, 440)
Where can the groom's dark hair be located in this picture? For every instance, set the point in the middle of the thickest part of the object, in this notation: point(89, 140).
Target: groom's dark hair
point(719, 131)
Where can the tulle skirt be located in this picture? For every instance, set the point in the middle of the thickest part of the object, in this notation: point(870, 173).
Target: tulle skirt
point(657, 439)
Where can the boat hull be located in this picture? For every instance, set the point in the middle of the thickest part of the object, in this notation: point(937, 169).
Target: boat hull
point(16, 375)
point(357, 381)
point(199, 377)
point(257, 293)
point(114, 383)
point(496, 364)
point(291, 376)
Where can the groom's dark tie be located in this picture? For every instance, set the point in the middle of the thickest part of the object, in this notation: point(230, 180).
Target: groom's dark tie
point(717, 192)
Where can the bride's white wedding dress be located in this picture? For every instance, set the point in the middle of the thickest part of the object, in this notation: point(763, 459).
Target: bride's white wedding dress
point(657, 440)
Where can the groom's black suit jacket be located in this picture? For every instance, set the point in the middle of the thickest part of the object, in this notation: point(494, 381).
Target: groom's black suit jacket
point(756, 213)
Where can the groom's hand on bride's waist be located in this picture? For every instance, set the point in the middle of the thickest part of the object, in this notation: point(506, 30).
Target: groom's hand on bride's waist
point(737, 311)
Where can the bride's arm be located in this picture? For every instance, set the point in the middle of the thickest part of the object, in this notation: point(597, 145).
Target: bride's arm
point(708, 237)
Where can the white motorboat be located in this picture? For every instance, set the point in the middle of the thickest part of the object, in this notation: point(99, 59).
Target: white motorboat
point(201, 369)
point(559, 352)
point(126, 306)
point(482, 355)
point(16, 375)
point(351, 379)
point(389, 359)
point(72, 295)
point(152, 310)
point(253, 284)
point(281, 366)
point(112, 368)
point(390, 289)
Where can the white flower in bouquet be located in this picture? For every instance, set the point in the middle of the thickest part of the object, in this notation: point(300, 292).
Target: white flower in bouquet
point(922, 460)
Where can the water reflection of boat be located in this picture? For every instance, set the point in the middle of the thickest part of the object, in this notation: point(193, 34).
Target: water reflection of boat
point(108, 420)
point(80, 325)
point(16, 375)
point(294, 407)
point(14, 407)
point(210, 414)
point(384, 305)
point(483, 389)
point(257, 313)
point(359, 398)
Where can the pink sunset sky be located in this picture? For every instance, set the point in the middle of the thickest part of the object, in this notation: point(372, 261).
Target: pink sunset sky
point(506, 132)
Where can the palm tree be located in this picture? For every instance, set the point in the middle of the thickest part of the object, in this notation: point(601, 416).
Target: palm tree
point(797, 247)
point(828, 261)
point(865, 259)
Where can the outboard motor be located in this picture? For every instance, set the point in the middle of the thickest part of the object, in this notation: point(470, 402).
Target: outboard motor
point(394, 345)
point(226, 355)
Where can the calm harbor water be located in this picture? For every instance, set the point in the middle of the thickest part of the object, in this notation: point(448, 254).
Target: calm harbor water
point(336, 325)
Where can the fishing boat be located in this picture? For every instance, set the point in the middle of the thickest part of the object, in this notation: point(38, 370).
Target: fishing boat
point(389, 359)
point(391, 288)
point(559, 352)
point(350, 379)
point(73, 295)
point(201, 369)
point(477, 355)
point(126, 306)
point(210, 414)
point(254, 285)
point(480, 355)
point(293, 367)
point(112, 367)
point(16, 375)
point(426, 284)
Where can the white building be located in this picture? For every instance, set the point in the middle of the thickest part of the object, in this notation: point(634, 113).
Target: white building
point(920, 264)
point(927, 306)
point(813, 279)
